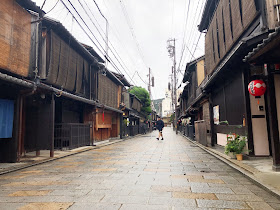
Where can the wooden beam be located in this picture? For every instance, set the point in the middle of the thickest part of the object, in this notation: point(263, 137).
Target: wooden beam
point(273, 121)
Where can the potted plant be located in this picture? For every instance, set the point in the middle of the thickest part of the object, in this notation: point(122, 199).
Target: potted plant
point(230, 147)
point(235, 145)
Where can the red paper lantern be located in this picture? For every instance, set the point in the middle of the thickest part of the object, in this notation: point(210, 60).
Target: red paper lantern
point(257, 87)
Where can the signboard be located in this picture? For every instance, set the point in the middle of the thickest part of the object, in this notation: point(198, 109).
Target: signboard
point(216, 115)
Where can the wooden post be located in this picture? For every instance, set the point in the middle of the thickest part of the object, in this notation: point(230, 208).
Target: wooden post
point(211, 120)
point(121, 125)
point(245, 78)
point(52, 116)
point(273, 121)
point(19, 151)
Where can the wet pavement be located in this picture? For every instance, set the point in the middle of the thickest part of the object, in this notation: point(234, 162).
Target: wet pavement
point(139, 173)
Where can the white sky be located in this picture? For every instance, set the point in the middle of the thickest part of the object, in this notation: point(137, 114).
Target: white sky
point(152, 22)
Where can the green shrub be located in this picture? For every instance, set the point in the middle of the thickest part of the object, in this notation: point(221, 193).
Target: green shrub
point(235, 145)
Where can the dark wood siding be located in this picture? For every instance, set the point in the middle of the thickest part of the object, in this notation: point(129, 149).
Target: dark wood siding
point(107, 91)
point(229, 96)
point(67, 69)
point(227, 25)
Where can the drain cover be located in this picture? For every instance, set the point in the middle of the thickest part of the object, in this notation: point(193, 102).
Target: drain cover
point(205, 171)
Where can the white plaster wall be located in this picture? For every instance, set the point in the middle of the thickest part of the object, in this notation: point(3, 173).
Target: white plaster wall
point(259, 125)
point(221, 139)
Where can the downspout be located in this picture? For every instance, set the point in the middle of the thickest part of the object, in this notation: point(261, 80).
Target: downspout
point(277, 10)
point(24, 94)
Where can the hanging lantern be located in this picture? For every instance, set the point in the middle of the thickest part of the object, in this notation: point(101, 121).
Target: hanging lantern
point(257, 87)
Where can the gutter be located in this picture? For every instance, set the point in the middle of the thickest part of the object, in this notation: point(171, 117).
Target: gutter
point(17, 81)
point(78, 98)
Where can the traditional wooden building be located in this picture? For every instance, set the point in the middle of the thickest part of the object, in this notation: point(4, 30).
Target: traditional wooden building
point(233, 28)
point(107, 122)
point(265, 65)
point(16, 33)
point(194, 103)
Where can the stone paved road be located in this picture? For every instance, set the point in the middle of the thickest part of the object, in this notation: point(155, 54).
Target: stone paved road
point(140, 173)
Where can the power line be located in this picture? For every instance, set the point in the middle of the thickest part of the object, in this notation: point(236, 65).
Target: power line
point(52, 7)
point(128, 21)
point(104, 39)
point(190, 38)
point(184, 36)
point(109, 59)
point(141, 78)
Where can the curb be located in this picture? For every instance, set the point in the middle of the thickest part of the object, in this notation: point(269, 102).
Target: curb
point(247, 173)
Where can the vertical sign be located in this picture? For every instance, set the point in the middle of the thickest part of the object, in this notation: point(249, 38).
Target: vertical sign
point(216, 115)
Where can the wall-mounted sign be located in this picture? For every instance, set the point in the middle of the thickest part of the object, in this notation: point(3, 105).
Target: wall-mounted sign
point(216, 115)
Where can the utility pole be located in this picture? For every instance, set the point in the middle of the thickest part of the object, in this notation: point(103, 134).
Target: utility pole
point(149, 85)
point(171, 47)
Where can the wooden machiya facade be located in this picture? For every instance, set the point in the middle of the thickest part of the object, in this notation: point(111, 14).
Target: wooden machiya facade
point(54, 94)
point(15, 55)
point(264, 63)
point(233, 28)
point(107, 119)
point(194, 119)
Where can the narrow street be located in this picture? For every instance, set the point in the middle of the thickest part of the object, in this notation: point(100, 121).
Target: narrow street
point(139, 173)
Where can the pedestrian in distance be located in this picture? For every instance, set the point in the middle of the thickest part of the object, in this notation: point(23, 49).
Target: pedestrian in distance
point(160, 126)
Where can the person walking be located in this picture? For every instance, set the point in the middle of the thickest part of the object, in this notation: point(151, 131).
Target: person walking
point(160, 126)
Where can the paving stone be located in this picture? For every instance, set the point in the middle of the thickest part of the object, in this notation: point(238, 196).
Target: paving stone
point(11, 206)
point(239, 197)
point(222, 204)
point(144, 207)
point(95, 206)
point(201, 180)
point(29, 193)
point(207, 196)
point(160, 188)
point(125, 199)
point(259, 206)
point(224, 190)
point(172, 201)
point(46, 206)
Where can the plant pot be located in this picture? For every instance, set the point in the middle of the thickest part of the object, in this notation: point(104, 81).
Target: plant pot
point(231, 155)
point(239, 156)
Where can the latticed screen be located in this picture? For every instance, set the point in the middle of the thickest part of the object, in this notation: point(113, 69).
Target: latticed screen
point(107, 91)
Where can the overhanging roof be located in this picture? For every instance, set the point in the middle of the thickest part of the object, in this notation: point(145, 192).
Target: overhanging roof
point(271, 42)
point(30, 5)
point(208, 12)
point(190, 67)
point(122, 79)
point(112, 76)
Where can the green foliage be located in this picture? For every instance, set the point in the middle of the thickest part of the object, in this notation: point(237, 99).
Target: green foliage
point(235, 145)
point(144, 96)
point(172, 117)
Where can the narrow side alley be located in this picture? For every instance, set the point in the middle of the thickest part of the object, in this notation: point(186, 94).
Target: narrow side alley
point(139, 173)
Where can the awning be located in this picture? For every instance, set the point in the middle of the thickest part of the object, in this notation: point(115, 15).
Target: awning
point(134, 115)
point(266, 45)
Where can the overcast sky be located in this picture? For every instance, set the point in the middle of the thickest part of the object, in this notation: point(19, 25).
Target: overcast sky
point(138, 34)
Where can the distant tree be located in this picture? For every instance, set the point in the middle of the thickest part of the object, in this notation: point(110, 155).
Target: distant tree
point(144, 97)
